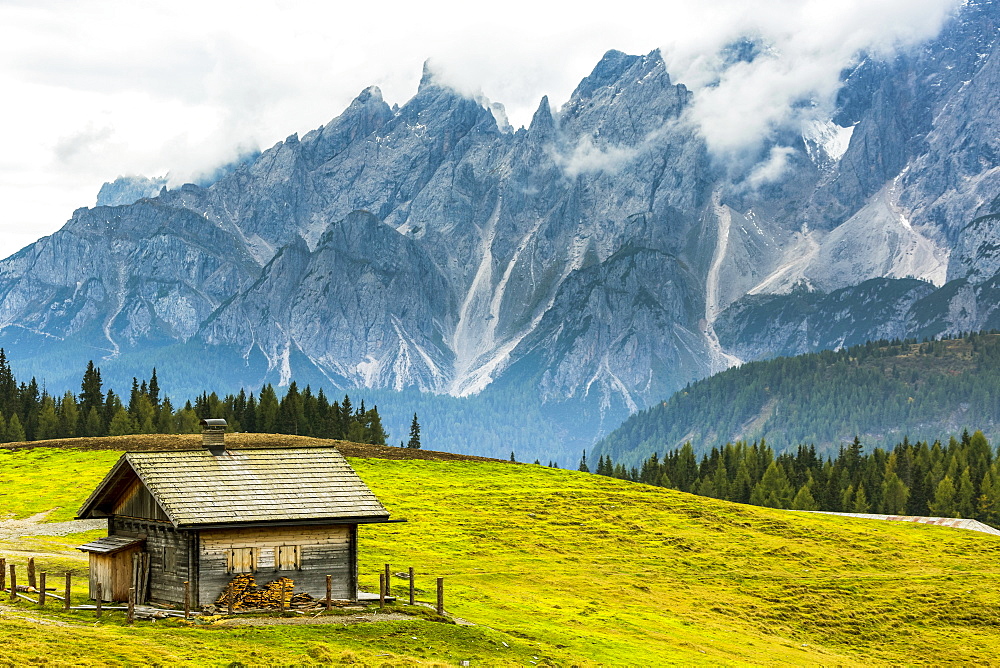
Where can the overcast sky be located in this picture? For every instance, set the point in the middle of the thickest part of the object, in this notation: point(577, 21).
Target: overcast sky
point(94, 90)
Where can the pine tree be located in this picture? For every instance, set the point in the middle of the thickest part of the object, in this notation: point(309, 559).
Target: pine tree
point(414, 441)
point(122, 423)
point(860, 504)
point(965, 502)
point(988, 503)
point(154, 390)
point(165, 418)
point(512, 457)
point(894, 495)
point(48, 420)
point(376, 432)
point(773, 490)
point(804, 499)
point(15, 432)
point(91, 394)
point(145, 415)
point(583, 463)
point(943, 504)
point(69, 416)
point(93, 423)
point(267, 410)
point(720, 482)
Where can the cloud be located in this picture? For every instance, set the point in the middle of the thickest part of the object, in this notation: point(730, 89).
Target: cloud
point(82, 145)
point(772, 168)
point(587, 157)
point(802, 47)
point(112, 87)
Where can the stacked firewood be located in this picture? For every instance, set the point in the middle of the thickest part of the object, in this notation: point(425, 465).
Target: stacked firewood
point(246, 594)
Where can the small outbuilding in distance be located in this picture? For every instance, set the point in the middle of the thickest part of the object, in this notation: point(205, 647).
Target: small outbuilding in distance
point(207, 515)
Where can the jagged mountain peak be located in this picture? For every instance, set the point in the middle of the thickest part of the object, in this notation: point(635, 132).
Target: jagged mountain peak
point(542, 121)
point(588, 260)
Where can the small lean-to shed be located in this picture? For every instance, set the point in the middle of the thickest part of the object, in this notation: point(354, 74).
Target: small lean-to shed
point(204, 516)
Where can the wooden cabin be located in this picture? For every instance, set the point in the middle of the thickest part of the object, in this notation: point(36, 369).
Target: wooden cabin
point(205, 516)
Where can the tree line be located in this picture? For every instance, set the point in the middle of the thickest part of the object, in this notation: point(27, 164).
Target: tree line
point(29, 413)
point(957, 478)
point(880, 390)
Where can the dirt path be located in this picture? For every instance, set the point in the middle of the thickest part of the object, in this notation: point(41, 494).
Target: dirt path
point(37, 526)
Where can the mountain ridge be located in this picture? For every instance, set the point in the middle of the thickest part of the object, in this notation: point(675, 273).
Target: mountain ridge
point(602, 257)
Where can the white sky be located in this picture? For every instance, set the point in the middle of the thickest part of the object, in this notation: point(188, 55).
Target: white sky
point(97, 89)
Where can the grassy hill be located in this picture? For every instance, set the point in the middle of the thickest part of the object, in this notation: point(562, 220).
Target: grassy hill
point(878, 391)
point(559, 567)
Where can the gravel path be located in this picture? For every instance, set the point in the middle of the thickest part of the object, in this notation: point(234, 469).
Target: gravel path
point(36, 526)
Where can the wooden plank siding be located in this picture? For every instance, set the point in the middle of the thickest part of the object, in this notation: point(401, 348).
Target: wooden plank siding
point(305, 554)
point(138, 502)
point(173, 557)
point(114, 572)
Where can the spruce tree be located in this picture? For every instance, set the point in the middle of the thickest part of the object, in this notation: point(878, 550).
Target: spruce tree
point(965, 502)
point(773, 490)
point(15, 432)
point(48, 421)
point(69, 416)
point(804, 499)
point(583, 463)
point(376, 433)
point(894, 495)
point(860, 504)
point(414, 441)
point(267, 410)
point(91, 393)
point(121, 423)
point(943, 504)
point(154, 390)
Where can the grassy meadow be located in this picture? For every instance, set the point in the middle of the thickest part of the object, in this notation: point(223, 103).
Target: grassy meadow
point(560, 568)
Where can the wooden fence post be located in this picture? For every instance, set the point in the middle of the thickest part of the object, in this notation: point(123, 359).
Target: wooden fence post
point(381, 590)
point(13, 583)
point(3, 573)
point(329, 592)
point(68, 582)
point(187, 600)
point(130, 615)
point(388, 582)
point(440, 607)
point(100, 599)
point(41, 588)
point(31, 574)
point(229, 599)
point(411, 586)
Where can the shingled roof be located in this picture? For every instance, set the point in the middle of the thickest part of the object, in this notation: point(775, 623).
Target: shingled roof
point(196, 488)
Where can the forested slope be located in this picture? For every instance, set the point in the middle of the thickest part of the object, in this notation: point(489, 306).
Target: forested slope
point(879, 391)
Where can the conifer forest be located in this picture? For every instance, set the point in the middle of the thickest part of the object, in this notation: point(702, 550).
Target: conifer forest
point(956, 478)
point(29, 413)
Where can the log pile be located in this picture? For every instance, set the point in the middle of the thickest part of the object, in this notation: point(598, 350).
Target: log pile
point(247, 595)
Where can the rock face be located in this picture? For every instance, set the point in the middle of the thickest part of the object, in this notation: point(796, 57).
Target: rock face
point(598, 257)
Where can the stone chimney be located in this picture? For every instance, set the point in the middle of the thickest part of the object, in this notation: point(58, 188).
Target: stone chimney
point(213, 435)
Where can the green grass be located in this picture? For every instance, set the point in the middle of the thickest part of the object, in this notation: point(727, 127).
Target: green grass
point(574, 568)
point(40, 479)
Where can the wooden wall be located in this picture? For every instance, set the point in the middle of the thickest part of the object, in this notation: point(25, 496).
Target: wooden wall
point(114, 572)
point(173, 558)
point(320, 551)
point(138, 502)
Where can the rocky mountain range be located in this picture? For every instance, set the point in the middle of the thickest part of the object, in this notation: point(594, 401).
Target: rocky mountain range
point(592, 262)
